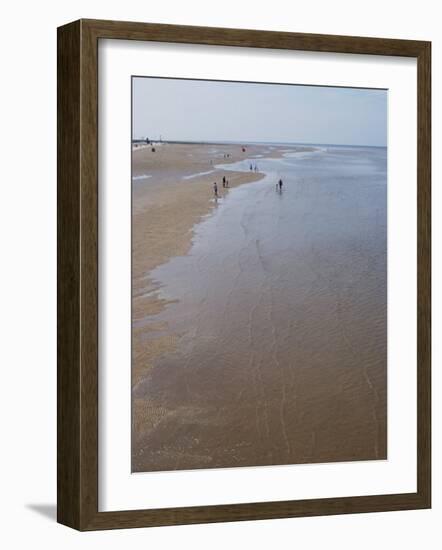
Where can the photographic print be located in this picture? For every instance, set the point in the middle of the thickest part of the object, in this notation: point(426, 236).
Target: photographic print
point(259, 274)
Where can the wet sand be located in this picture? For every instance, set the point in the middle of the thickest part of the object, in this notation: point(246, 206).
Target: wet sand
point(256, 354)
point(168, 199)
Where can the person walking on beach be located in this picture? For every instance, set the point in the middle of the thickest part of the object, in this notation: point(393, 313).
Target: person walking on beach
point(224, 181)
point(251, 167)
point(280, 185)
point(215, 189)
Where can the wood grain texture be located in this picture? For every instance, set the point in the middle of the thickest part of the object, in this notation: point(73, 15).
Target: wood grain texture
point(68, 276)
point(252, 38)
point(424, 274)
point(77, 223)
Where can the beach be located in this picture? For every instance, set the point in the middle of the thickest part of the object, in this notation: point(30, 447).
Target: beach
point(258, 319)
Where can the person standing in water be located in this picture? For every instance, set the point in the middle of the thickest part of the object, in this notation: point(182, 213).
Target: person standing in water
point(215, 189)
point(280, 185)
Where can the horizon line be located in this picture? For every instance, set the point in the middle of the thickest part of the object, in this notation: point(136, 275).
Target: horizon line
point(235, 142)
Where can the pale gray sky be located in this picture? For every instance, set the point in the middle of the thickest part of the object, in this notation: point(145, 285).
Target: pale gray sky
point(195, 110)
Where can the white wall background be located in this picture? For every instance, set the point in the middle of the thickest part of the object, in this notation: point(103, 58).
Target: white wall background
point(28, 271)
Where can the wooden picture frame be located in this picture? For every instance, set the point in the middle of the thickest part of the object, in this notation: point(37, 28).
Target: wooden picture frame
point(77, 225)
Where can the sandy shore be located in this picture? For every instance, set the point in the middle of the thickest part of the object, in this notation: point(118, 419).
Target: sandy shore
point(172, 190)
point(262, 357)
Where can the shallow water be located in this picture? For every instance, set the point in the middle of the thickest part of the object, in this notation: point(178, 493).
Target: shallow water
point(279, 316)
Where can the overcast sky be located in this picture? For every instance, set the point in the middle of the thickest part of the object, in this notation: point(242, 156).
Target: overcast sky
point(192, 110)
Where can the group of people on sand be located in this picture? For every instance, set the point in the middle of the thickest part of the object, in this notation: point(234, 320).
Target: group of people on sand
point(279, 185)
point(215, 186)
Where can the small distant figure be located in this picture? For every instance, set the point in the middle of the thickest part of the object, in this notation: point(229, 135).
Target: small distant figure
point(256, 167)
point(243, 149)
point(153, 149)
point(227, 183)
point(280, 185)
point(251, 167)
point(224, 181)
point(215, 189)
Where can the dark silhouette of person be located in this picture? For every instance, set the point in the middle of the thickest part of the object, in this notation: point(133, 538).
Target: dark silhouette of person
point(215, 189)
